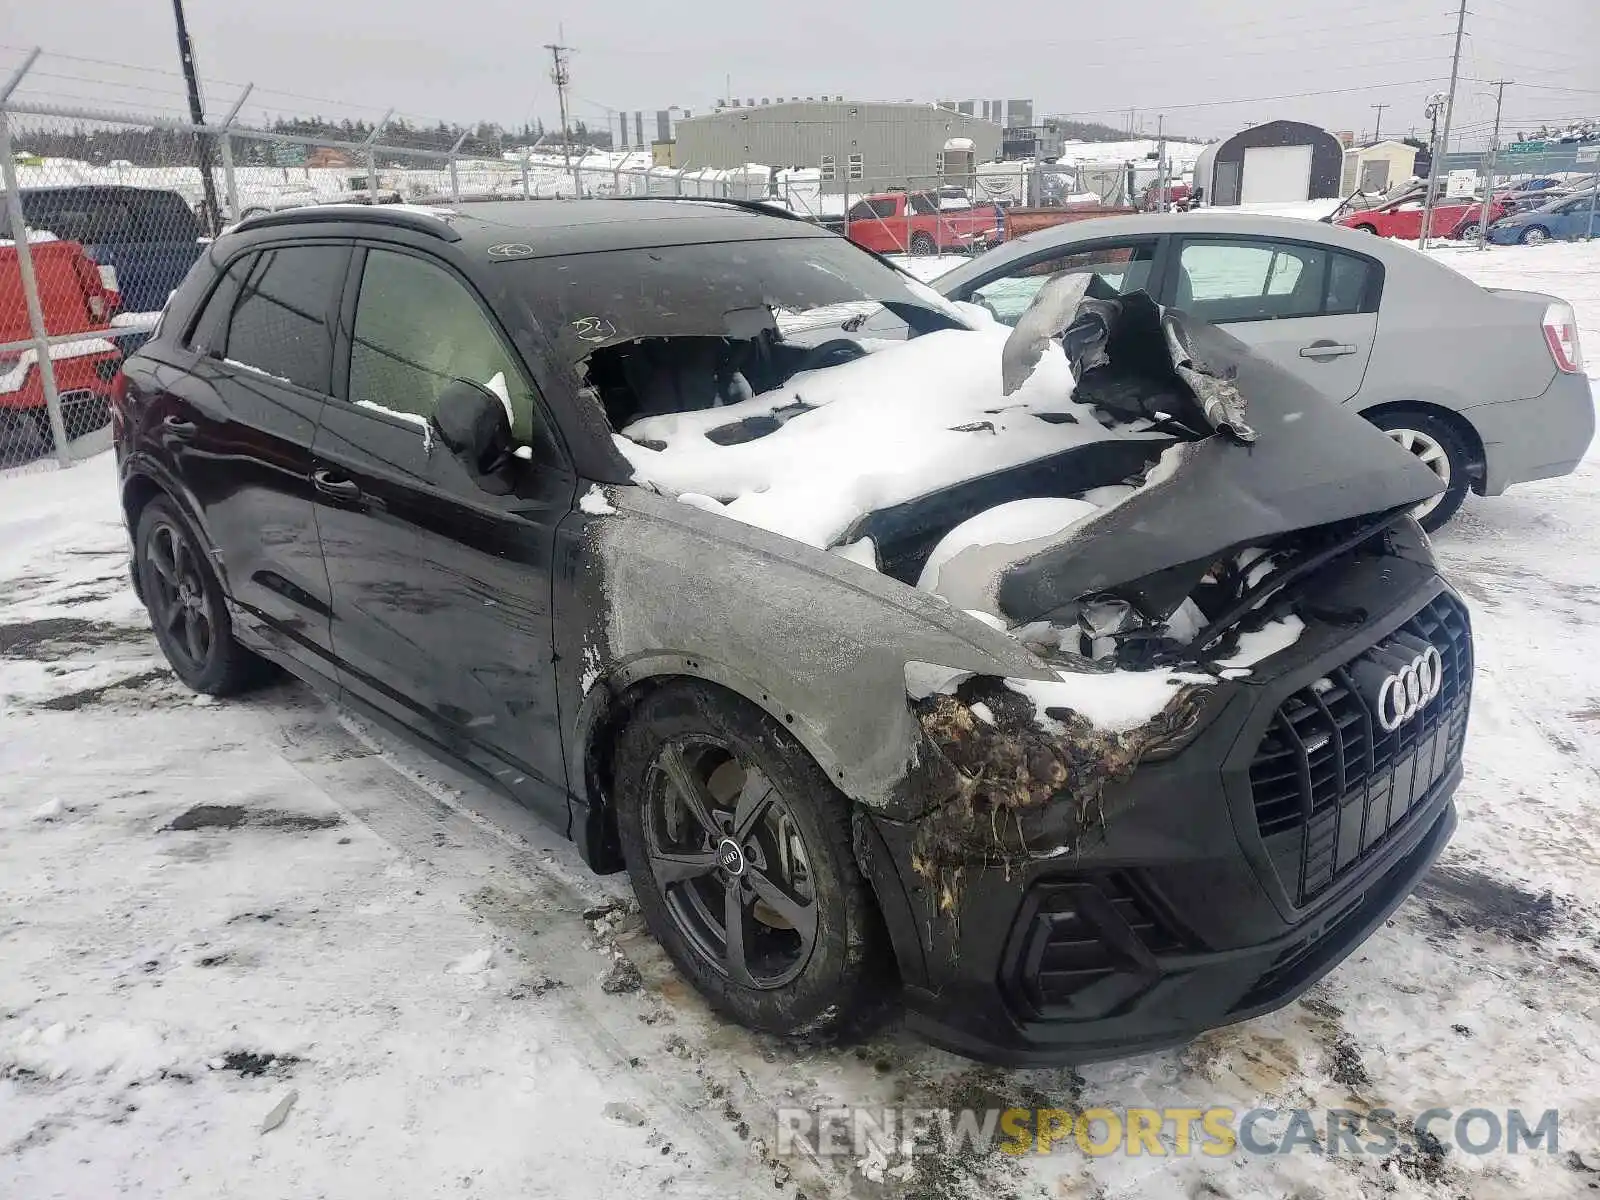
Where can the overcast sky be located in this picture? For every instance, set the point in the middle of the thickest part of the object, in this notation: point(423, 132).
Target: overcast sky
point(1211, 66)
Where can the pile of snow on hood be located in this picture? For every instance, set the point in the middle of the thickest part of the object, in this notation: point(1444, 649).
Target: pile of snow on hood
point(905, 421)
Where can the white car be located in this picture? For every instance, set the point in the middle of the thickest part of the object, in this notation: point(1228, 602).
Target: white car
point(1484, 386)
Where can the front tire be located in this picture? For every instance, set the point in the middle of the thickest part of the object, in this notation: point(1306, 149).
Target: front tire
point(1439, 446)
point(739, 850)
point(923, 246)
point(186, 605)
point(1534, 235)
point(1468, 232)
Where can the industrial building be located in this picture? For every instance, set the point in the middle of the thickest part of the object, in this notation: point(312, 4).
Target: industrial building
point(857, 145)
point(1270, 164)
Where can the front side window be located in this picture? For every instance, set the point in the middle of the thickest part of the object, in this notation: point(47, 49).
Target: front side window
point(1125, 268)
point(417, 329)
point(280, 323)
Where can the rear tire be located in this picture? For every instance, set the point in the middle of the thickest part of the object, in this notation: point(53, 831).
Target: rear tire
point(1468, 233)
point(187, 607)
point(1365, 228)
point(690, 766)
point(1442, 448)
point(922, 245)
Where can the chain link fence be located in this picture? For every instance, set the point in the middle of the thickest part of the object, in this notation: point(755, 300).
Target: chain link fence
point(108, 203)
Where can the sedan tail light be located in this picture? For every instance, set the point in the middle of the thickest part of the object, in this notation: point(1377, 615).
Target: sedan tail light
point(1561, 333)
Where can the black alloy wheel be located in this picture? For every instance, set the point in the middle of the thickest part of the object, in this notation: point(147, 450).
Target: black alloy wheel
point(740, 852)
point(731, 863)
point(187, 607)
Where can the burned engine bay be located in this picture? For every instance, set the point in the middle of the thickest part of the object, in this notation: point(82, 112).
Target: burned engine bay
point(1137, 499)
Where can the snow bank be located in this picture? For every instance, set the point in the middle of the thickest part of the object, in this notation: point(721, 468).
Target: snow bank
point(900, 423)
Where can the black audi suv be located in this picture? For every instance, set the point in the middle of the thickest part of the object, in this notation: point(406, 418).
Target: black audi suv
point(1082, 685)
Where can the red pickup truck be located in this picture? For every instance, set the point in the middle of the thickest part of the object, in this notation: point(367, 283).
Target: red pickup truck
point(913, 223)
point(76, 298)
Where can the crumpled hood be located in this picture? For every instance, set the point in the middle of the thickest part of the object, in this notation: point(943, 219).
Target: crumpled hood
point(1313, 462)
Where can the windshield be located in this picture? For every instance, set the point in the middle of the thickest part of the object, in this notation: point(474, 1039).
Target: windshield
point(779, 289)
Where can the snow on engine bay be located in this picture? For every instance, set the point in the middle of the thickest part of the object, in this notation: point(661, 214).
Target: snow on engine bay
point(907, 419)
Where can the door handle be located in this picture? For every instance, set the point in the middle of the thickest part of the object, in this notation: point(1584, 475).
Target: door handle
point(330, 484)
point(1326, 350)
point(179, 428)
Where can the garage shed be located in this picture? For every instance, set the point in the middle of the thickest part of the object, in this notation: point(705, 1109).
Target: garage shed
point(1378, 167)
point(1274, 163)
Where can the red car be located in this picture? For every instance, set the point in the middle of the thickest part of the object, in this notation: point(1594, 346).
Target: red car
point(1402, 218)
point(914, 223)
point(75, 298)
point(1178, 194)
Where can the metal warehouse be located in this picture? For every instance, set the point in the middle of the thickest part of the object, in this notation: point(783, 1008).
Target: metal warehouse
point(1271, 163)
point(859, 146)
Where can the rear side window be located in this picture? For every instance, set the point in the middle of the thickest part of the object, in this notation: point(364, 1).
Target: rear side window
point(866, 210)
point(1247, 280)
point(86, 216)
point(279, 310)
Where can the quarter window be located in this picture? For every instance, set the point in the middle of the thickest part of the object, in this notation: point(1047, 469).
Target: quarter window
point(279, 323)
point(417, 329)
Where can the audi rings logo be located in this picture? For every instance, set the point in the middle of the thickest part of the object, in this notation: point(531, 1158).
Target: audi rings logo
point(1406, 692)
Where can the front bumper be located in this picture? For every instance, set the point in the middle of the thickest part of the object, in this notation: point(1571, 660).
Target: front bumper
point(1541, 437)
point(1202, 900)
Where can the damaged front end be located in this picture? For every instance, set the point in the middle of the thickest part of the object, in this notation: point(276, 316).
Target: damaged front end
point(1204, 810)
point(1186, 574)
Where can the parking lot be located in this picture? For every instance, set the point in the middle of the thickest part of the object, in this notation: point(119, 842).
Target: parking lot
point(215, 915)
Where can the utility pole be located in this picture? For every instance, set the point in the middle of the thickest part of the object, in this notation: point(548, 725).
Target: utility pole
point(198, 116)
point(561, 77)
point(1441, 147)
point(1500, 86)
point(1161, 162)
point(1377, 128)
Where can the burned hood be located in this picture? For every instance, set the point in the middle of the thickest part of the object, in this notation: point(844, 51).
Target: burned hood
point(1306, 462)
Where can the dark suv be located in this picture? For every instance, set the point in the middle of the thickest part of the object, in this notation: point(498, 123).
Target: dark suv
point(1091, 690)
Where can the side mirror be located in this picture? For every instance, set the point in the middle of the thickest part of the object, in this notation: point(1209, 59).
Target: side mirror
point(473, 423)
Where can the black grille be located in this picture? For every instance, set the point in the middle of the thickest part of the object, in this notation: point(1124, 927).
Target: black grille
point(1330, 786)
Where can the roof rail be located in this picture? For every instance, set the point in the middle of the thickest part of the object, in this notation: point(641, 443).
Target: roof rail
point(755, 206)
point(435, 222)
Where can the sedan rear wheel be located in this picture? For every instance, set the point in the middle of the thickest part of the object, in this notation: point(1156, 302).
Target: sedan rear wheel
point(739, 850)
point(1436, 444)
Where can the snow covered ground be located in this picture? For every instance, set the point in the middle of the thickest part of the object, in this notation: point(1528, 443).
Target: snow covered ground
point(207, 908)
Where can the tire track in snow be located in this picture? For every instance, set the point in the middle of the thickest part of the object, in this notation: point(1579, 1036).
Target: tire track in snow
point(507, 867)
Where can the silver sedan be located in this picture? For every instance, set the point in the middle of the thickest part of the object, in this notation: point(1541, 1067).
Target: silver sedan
point(1484, 386)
